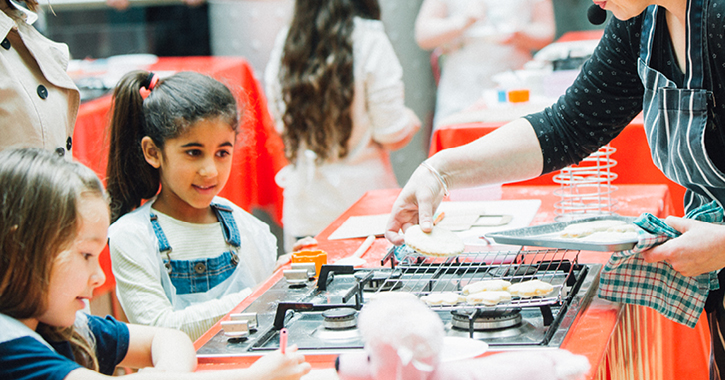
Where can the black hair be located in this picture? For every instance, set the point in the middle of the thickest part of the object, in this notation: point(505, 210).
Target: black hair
point(174, 104)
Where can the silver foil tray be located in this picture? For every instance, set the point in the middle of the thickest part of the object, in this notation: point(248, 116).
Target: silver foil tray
point(547, 235)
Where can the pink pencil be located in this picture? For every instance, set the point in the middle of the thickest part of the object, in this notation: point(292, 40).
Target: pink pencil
point(283, 340)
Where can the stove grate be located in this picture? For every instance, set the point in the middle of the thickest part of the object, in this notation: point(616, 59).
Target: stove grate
point(424, 275)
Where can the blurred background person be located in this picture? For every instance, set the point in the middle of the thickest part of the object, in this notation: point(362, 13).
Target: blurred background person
point(335, 89)
point(476, 39)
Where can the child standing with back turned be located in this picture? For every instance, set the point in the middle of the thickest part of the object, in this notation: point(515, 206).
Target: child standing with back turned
point(53, 227)
point(185, 257)
point(335, 88)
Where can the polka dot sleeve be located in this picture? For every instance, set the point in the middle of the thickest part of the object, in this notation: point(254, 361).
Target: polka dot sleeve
point(604, 98)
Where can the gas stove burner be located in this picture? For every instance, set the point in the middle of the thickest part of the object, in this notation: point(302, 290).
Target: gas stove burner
point(383, 281)
point(485, 320)
point(339, 318)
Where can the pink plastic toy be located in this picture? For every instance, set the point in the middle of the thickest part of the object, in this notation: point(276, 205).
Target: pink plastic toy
point(403, 341)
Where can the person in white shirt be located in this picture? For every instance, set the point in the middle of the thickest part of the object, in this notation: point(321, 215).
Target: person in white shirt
point(335, 89)
point(478, 39)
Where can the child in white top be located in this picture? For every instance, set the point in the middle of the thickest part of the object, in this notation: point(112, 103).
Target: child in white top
point(53, 227)
point(185, 257)
point(335, 88)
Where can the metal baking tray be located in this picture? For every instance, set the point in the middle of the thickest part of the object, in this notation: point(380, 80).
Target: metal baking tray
point(547, 235)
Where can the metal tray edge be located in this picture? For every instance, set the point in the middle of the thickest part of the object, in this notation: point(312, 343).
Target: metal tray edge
point(530, 236)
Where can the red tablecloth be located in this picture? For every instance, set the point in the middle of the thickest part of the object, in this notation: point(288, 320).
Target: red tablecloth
point(258, 155)
point(634, 163)
point(619, 341)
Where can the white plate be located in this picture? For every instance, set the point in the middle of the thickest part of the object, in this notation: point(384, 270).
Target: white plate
point(459, 348)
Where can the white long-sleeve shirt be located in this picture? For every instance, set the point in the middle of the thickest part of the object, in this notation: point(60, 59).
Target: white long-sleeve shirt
point(136, 266)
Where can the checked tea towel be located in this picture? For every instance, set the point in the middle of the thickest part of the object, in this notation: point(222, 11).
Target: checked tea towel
point(627, 278)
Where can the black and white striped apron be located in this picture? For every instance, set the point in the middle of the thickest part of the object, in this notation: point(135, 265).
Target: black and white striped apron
point(675, 123)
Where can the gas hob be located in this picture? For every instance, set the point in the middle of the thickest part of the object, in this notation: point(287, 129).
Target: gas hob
point(320, 313)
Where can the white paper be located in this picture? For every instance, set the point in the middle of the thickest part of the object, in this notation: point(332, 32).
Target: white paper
point(361, 226)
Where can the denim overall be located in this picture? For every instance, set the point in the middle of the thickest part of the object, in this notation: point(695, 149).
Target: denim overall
point(675, 120)
point(193, 281)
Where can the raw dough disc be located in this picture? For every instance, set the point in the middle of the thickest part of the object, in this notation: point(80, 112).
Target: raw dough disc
point(440, 242)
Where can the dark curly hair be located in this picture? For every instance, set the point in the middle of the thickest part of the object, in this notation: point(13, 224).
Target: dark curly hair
point(316, 75)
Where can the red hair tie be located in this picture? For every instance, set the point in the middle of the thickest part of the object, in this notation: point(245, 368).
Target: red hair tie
point(150, 81)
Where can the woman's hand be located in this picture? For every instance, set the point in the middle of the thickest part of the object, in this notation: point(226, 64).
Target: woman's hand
point(278, 366)
point(700, 248)
point(415, 205)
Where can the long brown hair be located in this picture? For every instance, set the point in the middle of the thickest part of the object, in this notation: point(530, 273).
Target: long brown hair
point(39, 219)
point(174, 104)
point(316, 75)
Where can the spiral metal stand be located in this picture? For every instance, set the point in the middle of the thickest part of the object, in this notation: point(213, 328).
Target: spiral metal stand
point(586, 188)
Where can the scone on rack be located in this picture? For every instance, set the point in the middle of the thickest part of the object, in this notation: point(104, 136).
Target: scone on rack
point(442, 298)
point(486, 285)
point(531, 288)
point(489, 298)
point(439, 243)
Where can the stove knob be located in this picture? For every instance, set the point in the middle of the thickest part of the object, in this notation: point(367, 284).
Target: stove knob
point(310, 267)
point(296, 276)
point(251, 319)
point(235, 329)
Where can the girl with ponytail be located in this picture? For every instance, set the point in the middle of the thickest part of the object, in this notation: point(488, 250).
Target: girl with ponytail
point(182, 256)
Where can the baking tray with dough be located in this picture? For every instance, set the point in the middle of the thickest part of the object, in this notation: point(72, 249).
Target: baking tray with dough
point(550, 235)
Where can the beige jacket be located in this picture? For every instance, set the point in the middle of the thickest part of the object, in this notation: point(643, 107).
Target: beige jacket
point(38, 100)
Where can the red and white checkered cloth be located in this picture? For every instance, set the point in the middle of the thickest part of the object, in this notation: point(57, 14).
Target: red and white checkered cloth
point(627, 278)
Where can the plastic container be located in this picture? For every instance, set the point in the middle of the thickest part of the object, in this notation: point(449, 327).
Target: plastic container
point(318, 257)
point(518, 96)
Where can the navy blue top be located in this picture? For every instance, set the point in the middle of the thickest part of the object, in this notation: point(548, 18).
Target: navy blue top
point(27, 358)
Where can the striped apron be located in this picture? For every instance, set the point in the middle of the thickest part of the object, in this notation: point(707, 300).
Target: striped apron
point(675, 120)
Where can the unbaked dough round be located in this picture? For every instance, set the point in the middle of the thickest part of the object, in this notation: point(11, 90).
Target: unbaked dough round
point(489, 298)
point(531, 288)
point(443, 298)
point(486, 286)
point(440, 242)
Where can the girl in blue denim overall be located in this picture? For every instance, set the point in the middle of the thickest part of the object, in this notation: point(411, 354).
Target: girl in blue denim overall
point(185, 257)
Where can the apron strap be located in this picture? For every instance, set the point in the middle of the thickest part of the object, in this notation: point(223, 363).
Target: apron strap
point(160, 235)
point(696, 43)
point(225, 215)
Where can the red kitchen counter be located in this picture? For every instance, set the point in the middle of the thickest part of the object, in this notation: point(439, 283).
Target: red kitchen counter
point(258, 154)
point(620, 341)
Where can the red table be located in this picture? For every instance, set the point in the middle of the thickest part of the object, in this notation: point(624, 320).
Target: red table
point(619, 341)
point(258, 155)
